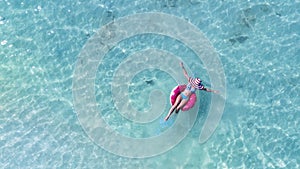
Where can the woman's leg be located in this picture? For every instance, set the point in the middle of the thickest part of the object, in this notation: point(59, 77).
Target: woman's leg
point(178, 99)
point(181, 104)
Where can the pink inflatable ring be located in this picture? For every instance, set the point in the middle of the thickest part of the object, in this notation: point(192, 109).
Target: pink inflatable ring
point(176, 91)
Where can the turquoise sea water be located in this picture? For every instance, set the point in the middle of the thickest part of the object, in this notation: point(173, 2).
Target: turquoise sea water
point(258, 45)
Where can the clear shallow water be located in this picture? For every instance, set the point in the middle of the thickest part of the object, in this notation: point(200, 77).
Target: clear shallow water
point(256, 42)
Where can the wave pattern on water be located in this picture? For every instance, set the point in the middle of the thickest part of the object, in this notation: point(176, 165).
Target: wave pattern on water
point(257, 43)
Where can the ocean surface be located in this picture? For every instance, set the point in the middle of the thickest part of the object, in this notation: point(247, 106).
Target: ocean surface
point(41, 44)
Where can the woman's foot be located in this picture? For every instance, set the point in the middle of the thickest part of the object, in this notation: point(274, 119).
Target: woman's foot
point(166, 118)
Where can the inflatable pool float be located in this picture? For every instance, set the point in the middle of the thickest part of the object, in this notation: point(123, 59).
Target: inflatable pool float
point(176, 91)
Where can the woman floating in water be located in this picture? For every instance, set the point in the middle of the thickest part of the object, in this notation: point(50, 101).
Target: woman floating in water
point(183, 97)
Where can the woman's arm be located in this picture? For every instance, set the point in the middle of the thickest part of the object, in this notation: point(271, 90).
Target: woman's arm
point(210, 90)
point(184, 71)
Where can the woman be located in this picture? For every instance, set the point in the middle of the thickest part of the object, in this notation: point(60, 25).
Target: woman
point(191, 87)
